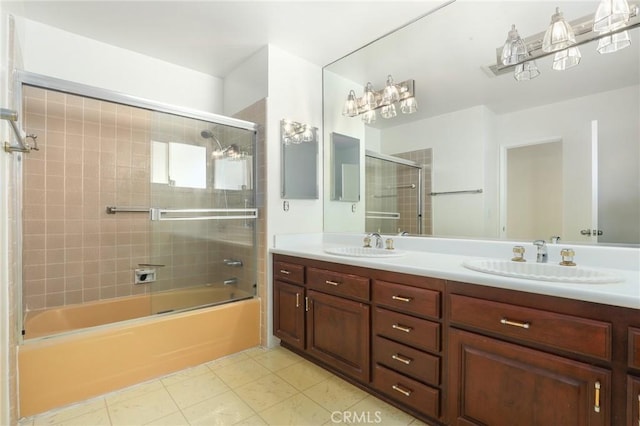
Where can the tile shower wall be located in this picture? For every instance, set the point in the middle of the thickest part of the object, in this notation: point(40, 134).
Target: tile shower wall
point(96, 154)
point(406, 199)
point(386, 191)
point(92, 154)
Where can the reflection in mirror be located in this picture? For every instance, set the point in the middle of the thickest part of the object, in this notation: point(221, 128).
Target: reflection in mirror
point(179, 164)
point(469, 116)
point(345, 166)
point(299, 160)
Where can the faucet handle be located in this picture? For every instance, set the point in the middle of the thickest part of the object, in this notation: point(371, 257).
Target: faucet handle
point(567, 257)
point(518, 254)
point(367, 242)
point(389, 244)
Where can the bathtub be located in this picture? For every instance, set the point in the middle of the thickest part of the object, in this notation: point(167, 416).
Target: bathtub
point(70, 367)
point(51, 321)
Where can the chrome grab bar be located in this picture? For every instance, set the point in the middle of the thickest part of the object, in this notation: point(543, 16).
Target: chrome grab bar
point(470, 191)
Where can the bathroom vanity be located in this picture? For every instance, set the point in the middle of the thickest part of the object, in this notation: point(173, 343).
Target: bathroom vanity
point(451, 351)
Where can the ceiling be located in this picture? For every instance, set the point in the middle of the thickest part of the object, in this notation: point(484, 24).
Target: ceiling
point(214, 37)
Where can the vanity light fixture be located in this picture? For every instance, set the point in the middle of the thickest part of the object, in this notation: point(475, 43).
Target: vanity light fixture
point(562, 39)
point(614, 42)
point(611, 15)
point(385, 100)
point(566, 59)
point(559, 35)
point(294, 132)
point(514, 49)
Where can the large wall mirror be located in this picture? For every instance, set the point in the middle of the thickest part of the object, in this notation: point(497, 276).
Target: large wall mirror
point(493, 148)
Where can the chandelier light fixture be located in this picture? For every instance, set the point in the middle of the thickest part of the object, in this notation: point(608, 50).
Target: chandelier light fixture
point(383, 100)
point(609, 26)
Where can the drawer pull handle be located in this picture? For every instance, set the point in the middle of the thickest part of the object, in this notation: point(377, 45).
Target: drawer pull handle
point(639, 409)
point(297, 300)
point(332, 283)
point(515, 323)
point(402, 359)
point(398, 388)
point(284, 272)
point(596, 405)
point(401, 328)
point(401, 298)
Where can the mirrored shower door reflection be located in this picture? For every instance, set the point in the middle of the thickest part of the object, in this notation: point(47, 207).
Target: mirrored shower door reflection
point(394, 189)
point(203, 246)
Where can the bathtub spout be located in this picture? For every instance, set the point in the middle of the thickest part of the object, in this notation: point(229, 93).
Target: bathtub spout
point(230, 281)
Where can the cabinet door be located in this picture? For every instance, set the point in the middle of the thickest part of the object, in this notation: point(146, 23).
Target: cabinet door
point(498, 383)
point(633, 401)
point(288, 313)
point(338, 333)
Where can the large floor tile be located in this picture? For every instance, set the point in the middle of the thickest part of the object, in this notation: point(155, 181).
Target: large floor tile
point(388, 414)
point(173, 419)
point(186, 374)
point(303, 375)
point(66, 414)
point(142, 409)
point(224, 409)
point(242, 372)
point(191, 391)
point(335, 394)
point(265, 392)
point(277, 359)
point(295, 411)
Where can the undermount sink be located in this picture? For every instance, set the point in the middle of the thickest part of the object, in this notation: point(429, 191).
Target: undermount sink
point(542, 271)
point(363, 252)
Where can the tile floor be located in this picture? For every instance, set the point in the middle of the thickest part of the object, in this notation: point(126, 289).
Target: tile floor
point(255, 387)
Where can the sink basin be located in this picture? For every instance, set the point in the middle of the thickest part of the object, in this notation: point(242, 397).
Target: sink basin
point(542, 271)
point(363, 252)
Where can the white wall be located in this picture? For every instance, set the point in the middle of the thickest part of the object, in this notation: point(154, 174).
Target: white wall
point(295, 93)
point(57, 53)
point(458, 143)
point(617, 113)
point(247, 83)
point(339, 215)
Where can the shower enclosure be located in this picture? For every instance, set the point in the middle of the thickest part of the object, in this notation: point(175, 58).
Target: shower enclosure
point(394, 194)
point(130, 208)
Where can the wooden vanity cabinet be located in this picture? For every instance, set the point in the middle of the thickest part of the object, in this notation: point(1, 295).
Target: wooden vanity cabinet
point(324, 313)
point(407, 342)
point(453, 353)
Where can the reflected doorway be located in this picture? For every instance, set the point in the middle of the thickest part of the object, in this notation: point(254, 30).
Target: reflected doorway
point(533, 186)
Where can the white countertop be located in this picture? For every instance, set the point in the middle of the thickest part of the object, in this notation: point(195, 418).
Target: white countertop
point(442, 258)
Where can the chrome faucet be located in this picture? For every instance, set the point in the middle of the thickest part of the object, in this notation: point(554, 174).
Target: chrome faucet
point(378, 241)
point(542, 251)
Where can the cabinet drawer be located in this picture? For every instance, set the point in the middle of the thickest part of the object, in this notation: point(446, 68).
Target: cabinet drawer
point(416, 332)
point(408, 361)
point(338, 283)
point(564, 332)
point(407, 391)
point(413, 300)
point(289, 272)
point(634, 347)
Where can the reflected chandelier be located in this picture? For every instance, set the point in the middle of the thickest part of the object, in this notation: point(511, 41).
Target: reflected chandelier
point(609, 25)
point(384, 100)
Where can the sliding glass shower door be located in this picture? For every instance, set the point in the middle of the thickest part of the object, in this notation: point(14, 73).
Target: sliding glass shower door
point(203, 249)
point(393, 195)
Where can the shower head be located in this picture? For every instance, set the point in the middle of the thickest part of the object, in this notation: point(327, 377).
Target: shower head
point(207, 134)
